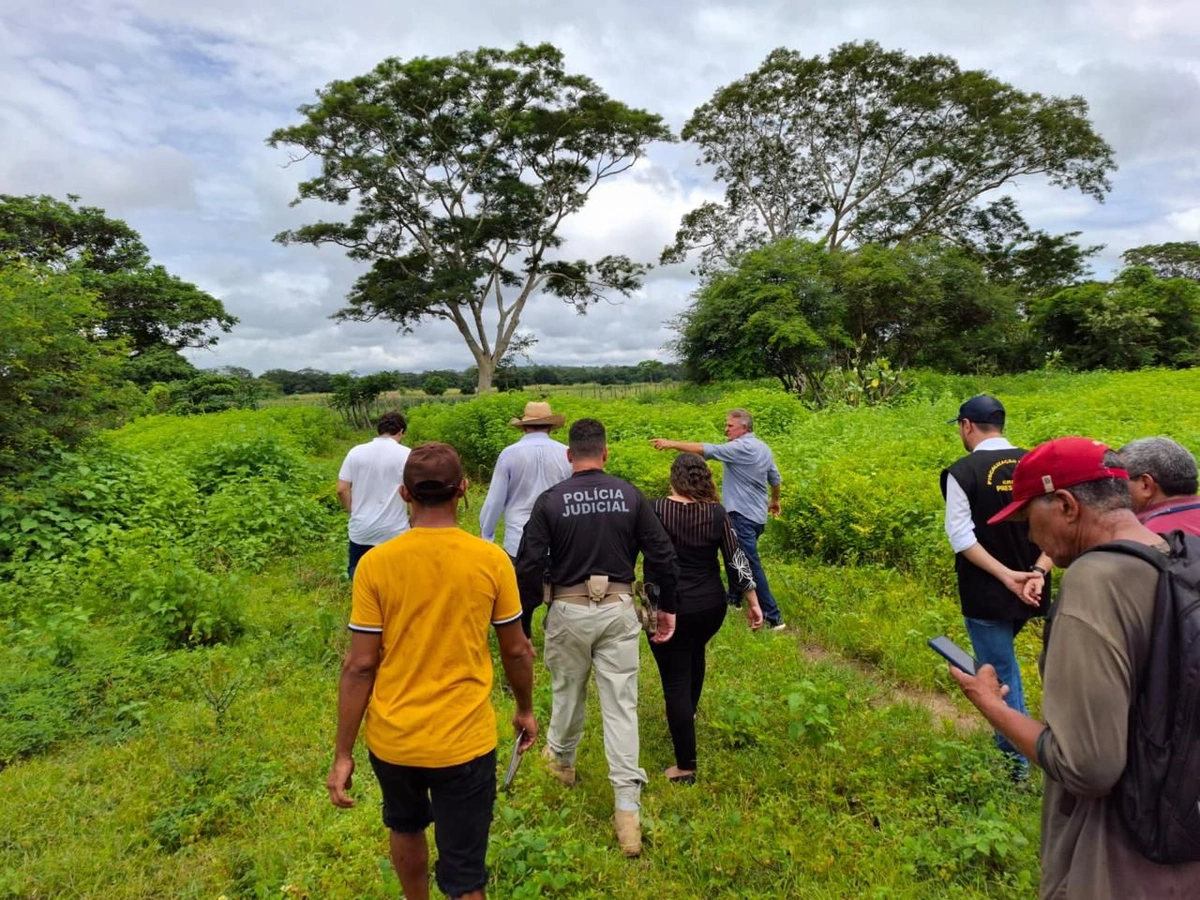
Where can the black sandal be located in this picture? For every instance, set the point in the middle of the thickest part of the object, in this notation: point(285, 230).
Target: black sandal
point(689, 778)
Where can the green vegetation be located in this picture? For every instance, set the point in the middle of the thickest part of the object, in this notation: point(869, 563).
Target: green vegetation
point(172, 612)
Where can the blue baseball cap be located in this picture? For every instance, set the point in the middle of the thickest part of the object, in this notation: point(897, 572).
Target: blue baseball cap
point(981, 408)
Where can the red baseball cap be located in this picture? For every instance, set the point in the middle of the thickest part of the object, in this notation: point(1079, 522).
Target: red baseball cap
point(1054, 465)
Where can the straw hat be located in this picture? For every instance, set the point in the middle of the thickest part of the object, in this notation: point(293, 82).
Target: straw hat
point(538, 413)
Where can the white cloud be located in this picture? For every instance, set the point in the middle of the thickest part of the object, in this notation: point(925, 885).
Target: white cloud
point(158, 110)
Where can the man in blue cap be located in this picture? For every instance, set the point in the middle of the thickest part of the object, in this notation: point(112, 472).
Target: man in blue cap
point(995, 564)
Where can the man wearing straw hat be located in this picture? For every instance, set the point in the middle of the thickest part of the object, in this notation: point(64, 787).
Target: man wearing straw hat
point(523, 471)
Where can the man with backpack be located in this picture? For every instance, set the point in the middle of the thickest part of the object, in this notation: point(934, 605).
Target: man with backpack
point(1120, 740)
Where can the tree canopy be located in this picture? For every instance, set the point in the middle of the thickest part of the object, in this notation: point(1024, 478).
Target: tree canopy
point(57, 383)
point(1176, 259)
point(461, 171)
point(141, 301)
point(794, 311)
point(1135, 321)
point(869, 145)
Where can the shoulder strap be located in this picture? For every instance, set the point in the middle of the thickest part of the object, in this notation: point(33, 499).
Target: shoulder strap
point(1171, 509)
point(1144, 552)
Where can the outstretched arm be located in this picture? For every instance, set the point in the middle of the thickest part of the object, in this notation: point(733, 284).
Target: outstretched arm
point(681, 446)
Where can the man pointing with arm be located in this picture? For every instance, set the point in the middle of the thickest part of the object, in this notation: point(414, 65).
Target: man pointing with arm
point(749, 470)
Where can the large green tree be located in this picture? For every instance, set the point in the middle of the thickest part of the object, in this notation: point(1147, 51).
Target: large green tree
point(461, 171)
point(57, 382)
point(141, 301)
point(1137, 320)
point(869, 145)
point(1176, 259)
point(793, 310)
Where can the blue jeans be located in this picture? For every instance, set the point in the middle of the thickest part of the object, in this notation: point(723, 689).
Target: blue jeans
point(993, 643)
point(355, 554)
point(748, 533)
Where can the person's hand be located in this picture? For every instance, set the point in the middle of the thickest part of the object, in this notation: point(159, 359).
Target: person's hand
point(774, 508)
point(524, 721)
point(341, 776)
point(666, 627)
point(983, 688)
point(1031, 590)
point(661, 444)
point(1016, 581)
point(532, 649)
point(754, 615)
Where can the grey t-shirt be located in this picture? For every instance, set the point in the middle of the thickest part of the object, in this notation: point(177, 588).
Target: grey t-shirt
point(749, 468)
point(1099, 642)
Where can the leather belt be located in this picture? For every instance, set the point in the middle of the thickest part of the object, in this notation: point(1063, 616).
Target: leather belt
point(580, 594)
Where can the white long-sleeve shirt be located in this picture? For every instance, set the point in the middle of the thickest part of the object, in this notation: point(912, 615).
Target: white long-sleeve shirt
point(523, 471)
point(959, 526)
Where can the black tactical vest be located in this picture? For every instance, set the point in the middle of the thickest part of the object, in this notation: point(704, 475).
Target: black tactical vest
point(986, 478)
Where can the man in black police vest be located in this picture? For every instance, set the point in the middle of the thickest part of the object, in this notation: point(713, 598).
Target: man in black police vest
point(1002, 575)
point(586, 533)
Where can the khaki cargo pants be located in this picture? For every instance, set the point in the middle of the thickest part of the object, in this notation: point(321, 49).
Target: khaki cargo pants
point(584, 636)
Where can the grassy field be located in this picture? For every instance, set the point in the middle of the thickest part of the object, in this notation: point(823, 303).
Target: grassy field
point(169, 664)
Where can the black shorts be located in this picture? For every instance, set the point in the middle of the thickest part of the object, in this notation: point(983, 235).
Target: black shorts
point(458, 800)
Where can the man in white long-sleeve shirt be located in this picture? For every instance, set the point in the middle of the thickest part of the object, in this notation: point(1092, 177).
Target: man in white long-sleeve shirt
point(523, 471)
point(993, 562)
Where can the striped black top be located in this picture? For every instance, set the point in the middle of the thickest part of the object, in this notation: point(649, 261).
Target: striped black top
point(697, 530)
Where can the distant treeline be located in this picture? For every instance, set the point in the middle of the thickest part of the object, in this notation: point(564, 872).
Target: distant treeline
point(315, 381)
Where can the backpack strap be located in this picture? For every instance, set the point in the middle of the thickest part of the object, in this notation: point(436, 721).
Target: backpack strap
point(1144, 552)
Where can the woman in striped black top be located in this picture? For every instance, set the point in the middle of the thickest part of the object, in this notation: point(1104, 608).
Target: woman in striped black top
point(698, 526)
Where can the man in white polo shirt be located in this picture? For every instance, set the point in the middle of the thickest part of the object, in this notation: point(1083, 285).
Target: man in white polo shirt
point(369, 488)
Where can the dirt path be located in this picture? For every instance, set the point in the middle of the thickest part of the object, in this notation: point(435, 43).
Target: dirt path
point(941, 706)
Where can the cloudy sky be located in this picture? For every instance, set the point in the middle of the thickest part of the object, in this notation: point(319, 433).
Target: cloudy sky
point(157, 110)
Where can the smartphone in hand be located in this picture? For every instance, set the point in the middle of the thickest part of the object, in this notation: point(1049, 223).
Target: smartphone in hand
point(953, 654)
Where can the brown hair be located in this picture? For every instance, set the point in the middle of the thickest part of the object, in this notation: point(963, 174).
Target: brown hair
point(691, 478)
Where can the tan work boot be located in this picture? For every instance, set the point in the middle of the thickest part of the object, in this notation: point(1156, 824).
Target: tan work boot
point(565, 774)
point(629, 831)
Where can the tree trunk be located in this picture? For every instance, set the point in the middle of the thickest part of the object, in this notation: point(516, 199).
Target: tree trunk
point(487, 368)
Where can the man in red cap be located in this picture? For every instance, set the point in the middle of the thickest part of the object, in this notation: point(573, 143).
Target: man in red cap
point(420, 668)
point(1075, 496)
point(994, 563)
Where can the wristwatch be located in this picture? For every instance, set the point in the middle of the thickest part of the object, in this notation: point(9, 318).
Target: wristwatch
point(1039, 570)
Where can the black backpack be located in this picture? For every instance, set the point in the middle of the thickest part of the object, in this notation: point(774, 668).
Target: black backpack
point(1158, 795)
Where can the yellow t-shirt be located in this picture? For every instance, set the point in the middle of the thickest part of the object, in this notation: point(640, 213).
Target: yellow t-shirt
point(433, 594)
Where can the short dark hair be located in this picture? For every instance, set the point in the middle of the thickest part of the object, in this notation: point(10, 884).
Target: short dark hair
point(587, 438)
point(1104, 494)
point(1168, 462)
point(392, 422)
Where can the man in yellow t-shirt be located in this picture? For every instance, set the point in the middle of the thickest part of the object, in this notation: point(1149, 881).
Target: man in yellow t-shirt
point(420, 669)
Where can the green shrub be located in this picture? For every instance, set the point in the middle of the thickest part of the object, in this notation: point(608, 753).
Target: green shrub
point(177, 604)
point(247, 522)
point(83, 499)
point(262, 456)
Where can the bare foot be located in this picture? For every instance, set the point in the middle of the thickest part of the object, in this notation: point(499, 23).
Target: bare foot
point(674, 773)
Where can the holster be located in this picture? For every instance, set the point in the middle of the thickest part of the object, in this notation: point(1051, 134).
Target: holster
point(646, 604)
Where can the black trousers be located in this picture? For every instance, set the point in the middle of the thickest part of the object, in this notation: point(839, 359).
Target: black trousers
point(681, 668)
